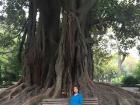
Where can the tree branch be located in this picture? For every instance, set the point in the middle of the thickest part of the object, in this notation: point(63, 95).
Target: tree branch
point(123, 57)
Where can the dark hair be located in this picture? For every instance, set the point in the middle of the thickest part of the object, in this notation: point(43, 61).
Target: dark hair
point(78, 87)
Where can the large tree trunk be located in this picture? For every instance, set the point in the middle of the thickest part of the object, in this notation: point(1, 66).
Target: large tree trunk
point(57, 55)
point(42, 46)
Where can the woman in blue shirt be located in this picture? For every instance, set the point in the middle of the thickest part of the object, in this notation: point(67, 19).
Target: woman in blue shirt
point(77, 98)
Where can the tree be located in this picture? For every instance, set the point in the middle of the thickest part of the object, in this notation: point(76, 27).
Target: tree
point(136, 72)
point(101, 56)
point(10, 67)
point(44, 66)
point(68, 58)
point(119, 17)
point(56, 54)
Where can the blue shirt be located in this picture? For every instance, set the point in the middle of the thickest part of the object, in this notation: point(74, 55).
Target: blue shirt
point(76, 100)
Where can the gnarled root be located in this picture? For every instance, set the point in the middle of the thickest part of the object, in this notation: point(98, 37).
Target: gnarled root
point(16, 90)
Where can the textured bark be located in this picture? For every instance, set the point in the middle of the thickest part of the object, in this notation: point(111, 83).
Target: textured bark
point(52, 55)
point(57, 55)
point(42, 44)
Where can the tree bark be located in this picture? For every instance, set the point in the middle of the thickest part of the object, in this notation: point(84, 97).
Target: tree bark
point(57, 55)
point(53, 54)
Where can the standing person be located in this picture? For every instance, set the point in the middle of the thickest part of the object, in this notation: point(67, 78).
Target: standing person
point(77, 98)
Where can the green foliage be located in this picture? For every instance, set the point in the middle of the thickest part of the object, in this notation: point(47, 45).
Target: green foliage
point(117, 80)
point(101, 56)
point(123, 17)
point(11, 30)
point(15, 13)
point(137, 72)
point(105, 66)
point(126, 26)
point(130, 64)
point(10, 69)
point(131, 75)
point(129, 80)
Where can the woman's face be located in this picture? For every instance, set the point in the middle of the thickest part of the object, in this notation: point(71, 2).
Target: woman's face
point(75, 89)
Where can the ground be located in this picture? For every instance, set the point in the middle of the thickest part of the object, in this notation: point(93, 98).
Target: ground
point(107, 95)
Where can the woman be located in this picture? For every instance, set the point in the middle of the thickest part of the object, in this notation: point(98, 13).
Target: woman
point(77, 98)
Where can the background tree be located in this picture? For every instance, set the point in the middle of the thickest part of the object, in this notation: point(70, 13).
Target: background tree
point(119, 17)
point(10, 66)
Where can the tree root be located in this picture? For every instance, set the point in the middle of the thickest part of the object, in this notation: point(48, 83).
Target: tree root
point(3, 99)
point(16, 90)
point(9, 89)
point(111, 95)
point(18, 83)
point(107, 94)
point(36, 99)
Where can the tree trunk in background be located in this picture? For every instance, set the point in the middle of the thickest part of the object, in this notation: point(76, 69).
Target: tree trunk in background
point(121, 59)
